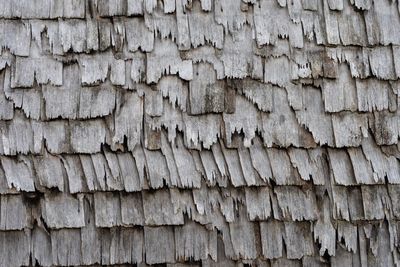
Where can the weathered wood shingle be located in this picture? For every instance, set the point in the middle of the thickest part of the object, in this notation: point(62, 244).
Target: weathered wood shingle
point(199, 133)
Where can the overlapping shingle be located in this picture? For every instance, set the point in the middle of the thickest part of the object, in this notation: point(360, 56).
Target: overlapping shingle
point(188, 133)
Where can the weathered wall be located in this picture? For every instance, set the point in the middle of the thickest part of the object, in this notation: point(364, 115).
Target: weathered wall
point(216, 132)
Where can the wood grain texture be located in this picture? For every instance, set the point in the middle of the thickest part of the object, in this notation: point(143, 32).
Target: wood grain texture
point(199, 133)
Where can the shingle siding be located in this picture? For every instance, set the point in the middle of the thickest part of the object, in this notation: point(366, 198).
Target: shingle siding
point(199, 133)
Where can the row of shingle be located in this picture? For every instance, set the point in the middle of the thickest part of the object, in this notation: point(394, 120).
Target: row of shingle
point(128, 124)
point(73, 100)
point(337, 24)
point(328, 22)
point(248, 241)
point(236, 57)
point(48, 9)
point(176, 166)
point(208, 206)
point(279, 126)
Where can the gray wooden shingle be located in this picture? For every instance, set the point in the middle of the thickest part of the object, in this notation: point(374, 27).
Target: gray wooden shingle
point(159, 244)
point(193, 241)
point(351, 27)
point(232, 160)
point(14, 213)
point(62, 210)
point(376, 201)
point(129, 172)
point(381, 23)
point(159, 210)
point(296, 205)
point(15, 248)
point(188, 133)
point(314, 118)
point(18, 173)
point(90, 235)
point(188, 175)
point(96, 101)
point(340, 94)
point(138, 36)
point(259, 93)
point(281, 126)
point(56, 136)
point(341, 166)
point(18, 136)
point(348, 232)
point(298, 239)
point(87, 137)
point(243, 237)
point(49, 172)
point(126, 246)
point(247, 121)
point(41, 247)
point(75, 174)
point(132, 209)
point(272, 233)
point(107, 207)
point(157, 171)
point(128, 118)
point(349, 128)
point(203, 29)
point(63, 101)
point(16, 36)
point(258, 203)
point(66, 247)
point(158, 63)
point(42, 70)
point(237, 57)
point(260, 160)
point(206, 94)
point(381, 62)
point(282, 170)
point(324, 229)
